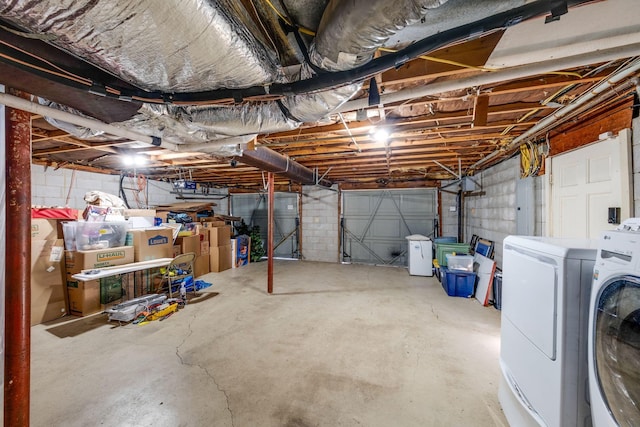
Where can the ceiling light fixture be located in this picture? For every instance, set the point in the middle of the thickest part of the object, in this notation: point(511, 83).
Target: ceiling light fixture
point(381, 135)
point(134, 160)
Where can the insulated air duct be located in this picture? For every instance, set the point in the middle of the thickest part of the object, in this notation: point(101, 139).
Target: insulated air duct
point(215, 45)
point(169, 45)
point(350, 32)
point(271, 161)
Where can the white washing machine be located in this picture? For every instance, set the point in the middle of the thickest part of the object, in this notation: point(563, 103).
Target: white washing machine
point(614, 329)
point(546, 286)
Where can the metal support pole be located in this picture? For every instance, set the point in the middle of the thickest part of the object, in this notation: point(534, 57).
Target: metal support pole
point(271, 185)
point(18, 268)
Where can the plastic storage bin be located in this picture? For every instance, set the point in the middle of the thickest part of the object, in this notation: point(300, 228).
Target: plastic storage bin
point(69, 234)
point(442, 249)
point(100, 235)
point(458, 283)
point(446, 239)
point(497, 291)
point(459, 262)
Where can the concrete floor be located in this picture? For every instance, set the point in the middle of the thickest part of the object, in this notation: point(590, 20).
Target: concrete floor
point(335, 345)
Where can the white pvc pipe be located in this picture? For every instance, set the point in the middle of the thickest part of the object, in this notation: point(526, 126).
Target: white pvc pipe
point(35, 108)
point(487, 78)
point(564, 111)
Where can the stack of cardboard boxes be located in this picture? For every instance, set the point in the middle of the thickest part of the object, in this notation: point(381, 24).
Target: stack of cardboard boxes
point(48, 297)
point(55, 292)
point(199, 245)
point(219, 245)
point(91, 296)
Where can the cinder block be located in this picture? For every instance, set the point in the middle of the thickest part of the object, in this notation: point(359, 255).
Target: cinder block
point(55, 180)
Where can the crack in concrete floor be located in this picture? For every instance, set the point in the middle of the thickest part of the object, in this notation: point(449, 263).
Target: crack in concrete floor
point(182, 362)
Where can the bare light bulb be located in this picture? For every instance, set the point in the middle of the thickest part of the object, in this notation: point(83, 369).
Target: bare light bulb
point(381, 135)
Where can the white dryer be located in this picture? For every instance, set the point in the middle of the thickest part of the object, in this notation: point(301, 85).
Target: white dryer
point(546, 286)
point(614, 331)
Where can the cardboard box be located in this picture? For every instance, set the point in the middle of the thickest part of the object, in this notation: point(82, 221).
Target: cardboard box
point(220, 258)
point(140, 222)
point(48, 296)
point(152, 243)
point(177, 250)
point(201, 266)
point(219, 236)
point(234, 252)
point(190, 244)
point(45, 229)
point(76, 261)
point(211, 223)
point(84, 297)
point(94, 296)
point(204, 247)
point(140, 212)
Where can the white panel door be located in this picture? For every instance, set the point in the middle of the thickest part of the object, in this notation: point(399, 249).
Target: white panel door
point(585, 182)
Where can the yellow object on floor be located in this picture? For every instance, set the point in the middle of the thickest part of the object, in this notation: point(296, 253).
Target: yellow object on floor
point(163, 311)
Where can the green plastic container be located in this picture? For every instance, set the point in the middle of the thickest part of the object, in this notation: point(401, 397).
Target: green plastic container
point(442, 249)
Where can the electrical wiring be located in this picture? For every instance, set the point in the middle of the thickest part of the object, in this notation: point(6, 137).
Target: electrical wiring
point(51, 64)
point(473, 67)
point(54, 73)
point(531, 158)
point(525, 161)
point(264, 29)
point(288, 21)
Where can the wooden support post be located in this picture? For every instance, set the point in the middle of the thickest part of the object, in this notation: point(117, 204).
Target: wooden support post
point(17, 280)
point(271, 184)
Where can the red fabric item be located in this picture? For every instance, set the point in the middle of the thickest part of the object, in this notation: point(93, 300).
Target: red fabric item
point(55, 213)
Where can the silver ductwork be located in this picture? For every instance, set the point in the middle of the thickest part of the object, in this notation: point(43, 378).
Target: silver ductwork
point(168, 45)
point(80, 132)
point(200, 45)
point(351, 31)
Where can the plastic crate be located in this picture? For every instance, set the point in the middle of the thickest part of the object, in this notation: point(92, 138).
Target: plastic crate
point(100, 235)
point(459, 262)
point(442, 249)
point(458, 283)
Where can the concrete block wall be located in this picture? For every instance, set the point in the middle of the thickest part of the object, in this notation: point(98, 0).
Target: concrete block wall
point(493, 216)
point(320, 228)
point(61, 188)
point(540, 198)
point(635, 139)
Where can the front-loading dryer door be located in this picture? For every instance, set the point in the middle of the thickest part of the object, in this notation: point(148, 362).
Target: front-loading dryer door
point(617, 348)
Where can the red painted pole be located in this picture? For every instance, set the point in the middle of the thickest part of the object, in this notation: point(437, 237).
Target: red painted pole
point(17, 268)
point(270, 182)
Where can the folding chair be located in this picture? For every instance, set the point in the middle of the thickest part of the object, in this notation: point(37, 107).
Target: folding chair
point(178, 270)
